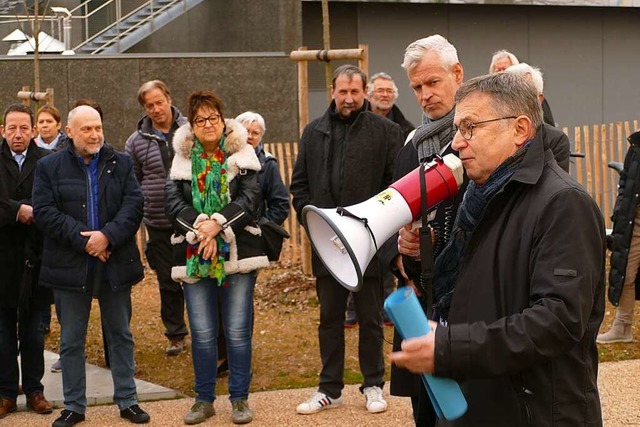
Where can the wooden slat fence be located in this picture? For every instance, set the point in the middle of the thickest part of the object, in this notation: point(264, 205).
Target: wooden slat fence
point(286, 153)
point(600, 144)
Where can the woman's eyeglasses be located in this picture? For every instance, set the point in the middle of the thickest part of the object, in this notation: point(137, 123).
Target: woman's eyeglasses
point(201, 122)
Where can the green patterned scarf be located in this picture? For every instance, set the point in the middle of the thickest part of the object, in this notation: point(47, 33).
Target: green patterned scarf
point(210, 193)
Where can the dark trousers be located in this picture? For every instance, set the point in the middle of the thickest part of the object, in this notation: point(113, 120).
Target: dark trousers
point(423, 413)
point(160, 257)
point(30, 333)
point(388, 286)
point(333, 302)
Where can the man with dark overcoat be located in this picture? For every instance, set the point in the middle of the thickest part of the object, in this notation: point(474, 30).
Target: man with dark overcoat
point(345, 157)
point(22, 301)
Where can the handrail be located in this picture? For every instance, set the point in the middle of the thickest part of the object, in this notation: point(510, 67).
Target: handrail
point(81, 5)
point(154, 13)
point(107, 28)
point(116, 39)
point(96, 10)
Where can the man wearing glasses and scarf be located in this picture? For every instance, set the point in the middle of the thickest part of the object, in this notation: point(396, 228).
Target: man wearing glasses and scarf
point(519, 288)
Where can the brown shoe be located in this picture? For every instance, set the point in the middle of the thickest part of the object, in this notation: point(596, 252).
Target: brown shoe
point(38, 403)
point(6, 406)
point(176, 347)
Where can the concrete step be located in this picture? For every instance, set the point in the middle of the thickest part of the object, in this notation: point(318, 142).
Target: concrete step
point(99, 386)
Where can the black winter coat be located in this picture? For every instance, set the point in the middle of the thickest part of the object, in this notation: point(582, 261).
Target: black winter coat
point(559, 144)
point(20, 242)
point(623, 217)
point(60, 211)
point(396, 116)
point(275, 198)
point(527, 305)
point(243, 234)
point(372, 143)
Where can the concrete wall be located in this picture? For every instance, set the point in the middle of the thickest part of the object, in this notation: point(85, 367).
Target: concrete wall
point(230, 26)
point(587, 54)
point(263, 83)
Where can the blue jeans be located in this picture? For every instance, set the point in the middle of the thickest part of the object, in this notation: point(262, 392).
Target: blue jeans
point(236, 302)
point(115, 309)
point(31, 335)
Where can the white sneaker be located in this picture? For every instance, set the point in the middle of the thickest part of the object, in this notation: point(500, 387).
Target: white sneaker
point(317, 403)
point(375, 401)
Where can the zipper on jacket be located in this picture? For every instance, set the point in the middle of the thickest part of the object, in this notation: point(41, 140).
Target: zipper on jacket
point(523, 393)
point(232, 220)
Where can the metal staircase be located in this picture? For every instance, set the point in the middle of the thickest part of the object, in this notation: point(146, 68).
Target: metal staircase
point(132, 28)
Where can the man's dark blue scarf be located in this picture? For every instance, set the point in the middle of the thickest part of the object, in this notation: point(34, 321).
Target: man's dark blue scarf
point(451, 260)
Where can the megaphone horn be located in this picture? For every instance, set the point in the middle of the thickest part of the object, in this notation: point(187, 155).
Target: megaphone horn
point(346, 239)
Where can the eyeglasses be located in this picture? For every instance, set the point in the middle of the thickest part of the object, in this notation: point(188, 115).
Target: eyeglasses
point(382, 91)
point(201, 122)
point(466, 127)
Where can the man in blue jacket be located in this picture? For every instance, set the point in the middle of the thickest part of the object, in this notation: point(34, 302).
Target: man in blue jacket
point(88, 203)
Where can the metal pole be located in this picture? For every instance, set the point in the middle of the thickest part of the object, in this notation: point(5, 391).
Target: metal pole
point(36, 55)
point(326, 39)
point(66, 23)
point(118, 16)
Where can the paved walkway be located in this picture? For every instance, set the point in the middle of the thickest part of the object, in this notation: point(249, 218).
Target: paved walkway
point(618, 384)
point(99, 386)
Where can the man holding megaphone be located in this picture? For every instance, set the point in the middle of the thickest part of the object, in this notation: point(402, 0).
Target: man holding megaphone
point(435, 74)
point(345, 157)
point(520, 285)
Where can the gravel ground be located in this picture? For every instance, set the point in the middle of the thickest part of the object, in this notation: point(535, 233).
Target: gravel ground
point(618, 384)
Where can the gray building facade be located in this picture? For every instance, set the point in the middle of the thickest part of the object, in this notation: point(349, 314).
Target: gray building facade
point(586, 53)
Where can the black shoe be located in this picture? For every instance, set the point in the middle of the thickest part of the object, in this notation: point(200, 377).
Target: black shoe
point(135, 414)
point(68, 418)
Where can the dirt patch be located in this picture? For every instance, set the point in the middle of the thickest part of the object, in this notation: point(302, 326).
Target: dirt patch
point(285, 343)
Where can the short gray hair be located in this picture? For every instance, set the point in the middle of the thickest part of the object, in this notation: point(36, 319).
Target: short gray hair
point(502, 54)
point(528, 72)
point(383, 76)
point(510, 95)
point(414, 53)
point(249, 117)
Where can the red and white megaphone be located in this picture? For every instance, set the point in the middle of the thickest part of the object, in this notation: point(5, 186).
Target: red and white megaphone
point(343, 238)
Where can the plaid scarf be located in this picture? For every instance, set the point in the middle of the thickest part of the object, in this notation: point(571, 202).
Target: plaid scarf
point(210, 191)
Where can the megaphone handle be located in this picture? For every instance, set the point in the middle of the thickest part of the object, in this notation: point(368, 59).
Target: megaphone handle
point(344, 212)
point(426, 246)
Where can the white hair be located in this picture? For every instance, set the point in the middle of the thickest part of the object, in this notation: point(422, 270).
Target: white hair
point(533, 74)
point(414, 53)
point(502, 54)
point(383, 76)
point(249, 117)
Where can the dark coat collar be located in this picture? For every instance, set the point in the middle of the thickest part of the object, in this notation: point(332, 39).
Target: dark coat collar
point(530, 169)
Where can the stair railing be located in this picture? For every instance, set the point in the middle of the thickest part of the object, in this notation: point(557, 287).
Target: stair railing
point(116, 24)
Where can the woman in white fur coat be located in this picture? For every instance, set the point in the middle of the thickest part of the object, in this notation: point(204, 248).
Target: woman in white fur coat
point(212, 199)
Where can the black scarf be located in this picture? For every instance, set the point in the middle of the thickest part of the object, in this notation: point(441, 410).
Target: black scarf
point(475, 201)
point(433, 135)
